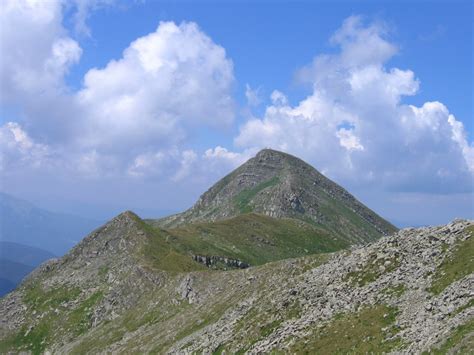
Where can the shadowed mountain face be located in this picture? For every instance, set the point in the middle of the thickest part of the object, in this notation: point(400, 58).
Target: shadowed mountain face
point(282, 186)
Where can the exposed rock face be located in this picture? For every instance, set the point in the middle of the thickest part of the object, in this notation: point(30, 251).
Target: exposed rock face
point(214, 262)
point(280, 185)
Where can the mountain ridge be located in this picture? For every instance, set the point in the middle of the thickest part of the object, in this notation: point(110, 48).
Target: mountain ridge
point(413, 289)
point(279, 185)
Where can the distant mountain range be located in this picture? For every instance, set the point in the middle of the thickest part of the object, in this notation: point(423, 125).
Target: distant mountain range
point(274, 258)
point(24, 223)
point(17, 261)
point(30, 235)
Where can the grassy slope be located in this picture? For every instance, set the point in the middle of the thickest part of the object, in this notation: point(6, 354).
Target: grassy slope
point(341, 220)
point(457, 265)
point(161, 253)
point(58, 318)
point(244, 198)
point(253, 238)
point(344, 334)
point(347, 222)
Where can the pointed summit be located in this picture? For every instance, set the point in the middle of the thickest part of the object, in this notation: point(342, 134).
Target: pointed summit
point(268, 154)
point(280, 185)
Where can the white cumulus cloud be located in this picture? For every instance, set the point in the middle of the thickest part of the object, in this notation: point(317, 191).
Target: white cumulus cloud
point(36, 49)
point(166, 83)
point(164, 87)
point(354, 124)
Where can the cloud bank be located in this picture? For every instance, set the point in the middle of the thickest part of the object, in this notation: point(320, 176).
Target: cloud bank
point(354, 126)
point(137, 109)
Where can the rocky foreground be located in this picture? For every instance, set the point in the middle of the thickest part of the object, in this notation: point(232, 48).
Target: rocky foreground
point(410, 292)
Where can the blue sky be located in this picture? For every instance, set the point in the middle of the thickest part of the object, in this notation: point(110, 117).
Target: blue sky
point(110, 105)
point(269, 40)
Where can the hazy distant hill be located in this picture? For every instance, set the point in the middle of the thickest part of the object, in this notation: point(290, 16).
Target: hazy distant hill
point(17, 261)
point(24, 254)
point(24, 223)
point(11, 273)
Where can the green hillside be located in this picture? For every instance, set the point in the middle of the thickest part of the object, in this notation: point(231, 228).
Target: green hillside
point(254, 239)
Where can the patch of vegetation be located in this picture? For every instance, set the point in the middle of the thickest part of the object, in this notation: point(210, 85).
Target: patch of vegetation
point(396, 291)
point(55, 318)
point(294, 310)
point(218, 350)
point(132, 320)
point(372, 270)
point(242, 200)
point(33, 340)
point(312, 262)
point(464, 307)
point(455, 266)
point(258, 323)
point(254, 239)
point(153, 308)
point(80, 317)
point(371, 330)
point(269, 328)
point(162, 254)
point(41, 300)
point(190, 327)
point(461, 339)
point(444, 247)
point(103, 337)
point(103, 270)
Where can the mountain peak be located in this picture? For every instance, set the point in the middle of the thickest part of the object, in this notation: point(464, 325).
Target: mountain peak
point(122, 237)
point(128, 215)
point(268, 155)
point(268, 152)
point(280, 185)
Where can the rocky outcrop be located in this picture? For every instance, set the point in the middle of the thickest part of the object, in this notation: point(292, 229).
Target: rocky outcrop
point(219, 262)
